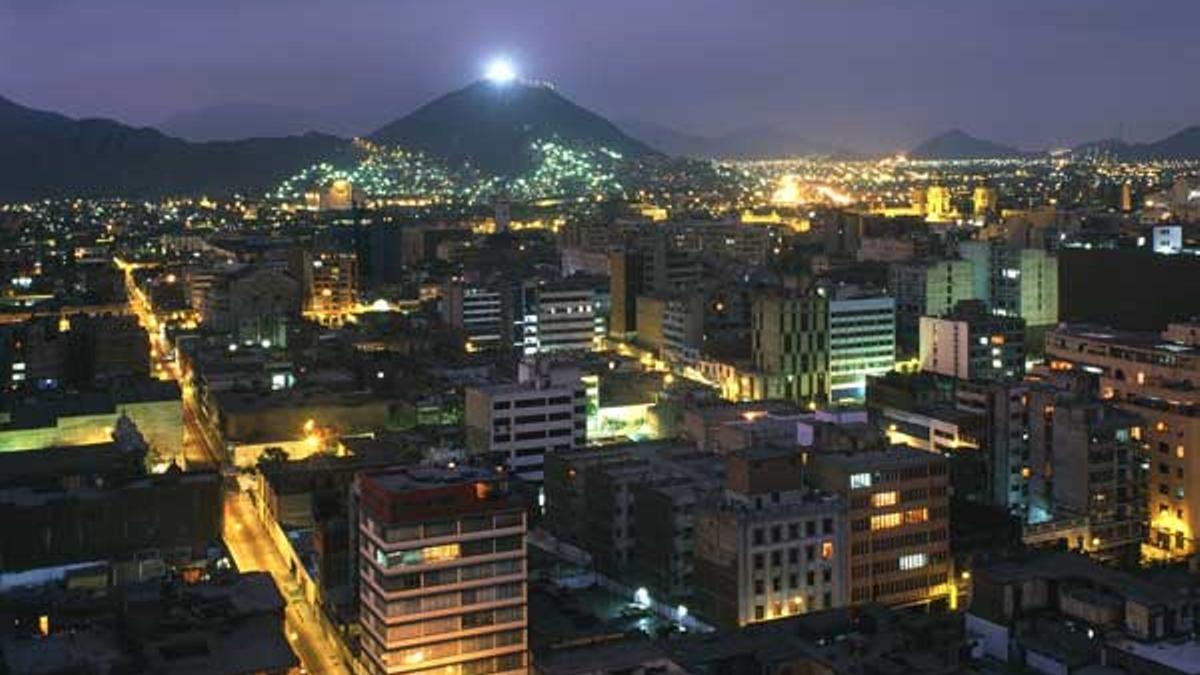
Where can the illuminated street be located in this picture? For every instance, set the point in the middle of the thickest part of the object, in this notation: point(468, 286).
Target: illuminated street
point(252, 550)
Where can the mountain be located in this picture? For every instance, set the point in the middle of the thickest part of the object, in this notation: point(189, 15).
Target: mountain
point(44, 154)
point(1184, 144)
point(958, 144)
point(246, 119)
point(491, 125)
point(751, 143)
point(668, 140)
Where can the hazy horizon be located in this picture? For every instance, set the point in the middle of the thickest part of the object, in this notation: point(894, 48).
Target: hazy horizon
point(871, 76)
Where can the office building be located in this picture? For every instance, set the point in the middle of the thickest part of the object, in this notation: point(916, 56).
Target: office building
point(928, 289)
point(1015, 281)
point(558, 316)
point(899, 522)
point(518, 424)
point(441, 559)
point(862, 341)
point(791, 345)
point(652, 266)
point(971, 344)
point(769, 546)
point(482, 315)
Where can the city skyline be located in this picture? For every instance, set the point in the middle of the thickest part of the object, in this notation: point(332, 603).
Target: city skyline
point(1031, 75)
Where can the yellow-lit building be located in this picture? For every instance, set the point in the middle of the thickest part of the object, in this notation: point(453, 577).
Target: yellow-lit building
point(1157, 378)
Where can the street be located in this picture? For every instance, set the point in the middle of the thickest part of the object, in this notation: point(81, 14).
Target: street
point(252, 550)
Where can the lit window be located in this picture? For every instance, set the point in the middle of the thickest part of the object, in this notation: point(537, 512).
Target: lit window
point(826, 550)
point(860, 480)
point(18, 366)
point(1179, 451)
point(884, 499)
point(913, 562)
point(886, 520)
point(920, 515)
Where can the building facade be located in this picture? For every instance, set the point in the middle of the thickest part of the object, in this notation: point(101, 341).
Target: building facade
point(791, 345)
point(441, 559)
point(769, 547)
point(518, 424)
point(899, 522)
point(970, 344)
point(862, 343)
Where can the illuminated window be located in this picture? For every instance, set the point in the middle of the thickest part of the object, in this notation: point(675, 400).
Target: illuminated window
point(1160, 426)
point(886, 520)
point(884, 499)
point(435, 554)
point(913, 562)
point(916, 516)
point(826, 550)
point(860, 480)
point(1179, 451)
point(1141, 378)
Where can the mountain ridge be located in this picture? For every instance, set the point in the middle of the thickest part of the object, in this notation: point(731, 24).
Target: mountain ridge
point(47, 154)
point(491, 125)
point(958, 144)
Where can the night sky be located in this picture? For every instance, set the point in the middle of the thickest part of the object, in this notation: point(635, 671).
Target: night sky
point(870, 75)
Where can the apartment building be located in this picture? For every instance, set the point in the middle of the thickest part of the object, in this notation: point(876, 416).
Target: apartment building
point(442, 572)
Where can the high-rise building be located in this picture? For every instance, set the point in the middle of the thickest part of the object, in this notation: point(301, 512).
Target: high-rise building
point(482, 315)
point(862, 340)
point(330, 285)
point(1157, 379)
point(1003, 411)
point(442, 573)
point(899, 522)
point(791, 345)
point(652, 266)
point(970, 344)
point(929, 288)
point(769, 546)
point(1085, 459)
point(1015, 281)
point(518, 424)
point(558, 316)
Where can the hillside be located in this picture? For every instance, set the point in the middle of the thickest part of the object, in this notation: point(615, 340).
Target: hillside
point(492, 127)
point(958, 144)
point(44, 154)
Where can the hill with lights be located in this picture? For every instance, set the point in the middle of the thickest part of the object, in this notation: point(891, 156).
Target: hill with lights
point(495, 124)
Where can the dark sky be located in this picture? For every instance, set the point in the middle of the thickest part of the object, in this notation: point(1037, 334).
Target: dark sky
point(871, 75)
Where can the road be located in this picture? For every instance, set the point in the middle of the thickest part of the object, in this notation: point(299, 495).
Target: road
point(253, 550)
point(196, 453)
point(245, 535)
